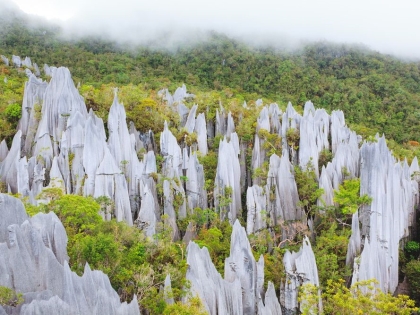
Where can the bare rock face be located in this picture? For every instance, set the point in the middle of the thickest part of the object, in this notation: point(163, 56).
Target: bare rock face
point(33, 261)
point(4, 150)
point(33, 98)
point(196, 192)
point(241, 292)
point(12, 211)
point(300, 268)
point(388, 218)
point(201, 129)
point(282, 180)
point(227, 181)
point(8, 168)
point(256, 202)
point(241, 265)
point(17, 62)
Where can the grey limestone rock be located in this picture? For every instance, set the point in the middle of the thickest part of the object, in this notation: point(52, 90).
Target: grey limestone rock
point(33, 261)
point(196, 192)
point(33, 98)
point(230, 126)
point(241, 292)
point(17, 62)
point(325, 183)
point(12, 211)
point(61, 100)
point(172, 152)
point(218, 296)
point(168, 208)
point(228, 175)
point(119, 142)
point(190, 123)
point(272, 305)
point(355, 242)
point(27, 62)
point(110, 182)
point(300, 268)
point(201, 130)
point(147, 220)
point(220, 122)
point(5, 60)
point(388, 218)
point(241, 265)
point(9, 166)
point(167, 291)
point(47, 70)
point(256, 202)
point(37, 72)
point(281, 176)
point(4, 150)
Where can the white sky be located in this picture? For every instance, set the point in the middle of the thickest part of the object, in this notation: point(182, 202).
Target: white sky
point(390, 26)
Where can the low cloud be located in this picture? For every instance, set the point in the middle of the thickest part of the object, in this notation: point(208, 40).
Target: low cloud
point(388, 26)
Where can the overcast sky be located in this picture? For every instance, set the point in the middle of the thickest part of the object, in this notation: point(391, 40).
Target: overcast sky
point(390, 26)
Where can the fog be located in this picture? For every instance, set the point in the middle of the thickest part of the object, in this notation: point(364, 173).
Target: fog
point(387, 26)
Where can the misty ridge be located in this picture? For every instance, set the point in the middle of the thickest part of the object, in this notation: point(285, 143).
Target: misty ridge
point(129, 29)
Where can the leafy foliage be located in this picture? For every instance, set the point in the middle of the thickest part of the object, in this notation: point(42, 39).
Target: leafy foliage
point(9, 297)
point(308, 189)
point(361, 298)
point(412, 272)
point(348, 196)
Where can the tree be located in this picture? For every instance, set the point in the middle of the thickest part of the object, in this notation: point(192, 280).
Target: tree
point(361, 298)
point(308, 189)
point(348, 196)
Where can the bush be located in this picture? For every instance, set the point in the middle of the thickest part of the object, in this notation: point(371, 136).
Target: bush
point(9, 297)
point(412, 272)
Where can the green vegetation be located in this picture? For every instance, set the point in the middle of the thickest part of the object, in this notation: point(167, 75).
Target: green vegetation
point(361, 298)
point(377, 93)
point(348, 196)
point(308, 189)
point(9, 297)
point(412, 272)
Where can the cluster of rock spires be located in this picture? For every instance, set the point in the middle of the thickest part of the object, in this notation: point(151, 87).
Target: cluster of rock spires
point(33, 261)
point(59, 144)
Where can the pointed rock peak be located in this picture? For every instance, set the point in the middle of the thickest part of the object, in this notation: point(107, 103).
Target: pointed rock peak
point(87, 269)
point(309, 109)
point(108, 165)
point(414, 167)
point(165, 126)
point(236, 226)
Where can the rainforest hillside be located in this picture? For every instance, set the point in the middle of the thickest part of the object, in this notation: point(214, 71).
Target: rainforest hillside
point(378, 93)
point(197, 187)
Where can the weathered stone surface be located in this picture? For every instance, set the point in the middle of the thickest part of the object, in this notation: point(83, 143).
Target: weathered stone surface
point(8, 168)
point(300, 268)
point(167, 291)
point(256, 202)
point(147, 219)
point(33, 98)
point(12, 211)
point(281, 176)
point(4, 150)
point(196, 192)
point(17, 62)
point(218, 296)
point(190, 124)
point(201, 130)
point(241, 265)
point(33, 261)
point(388, 218)
point(272, 305)
point(228, 175)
